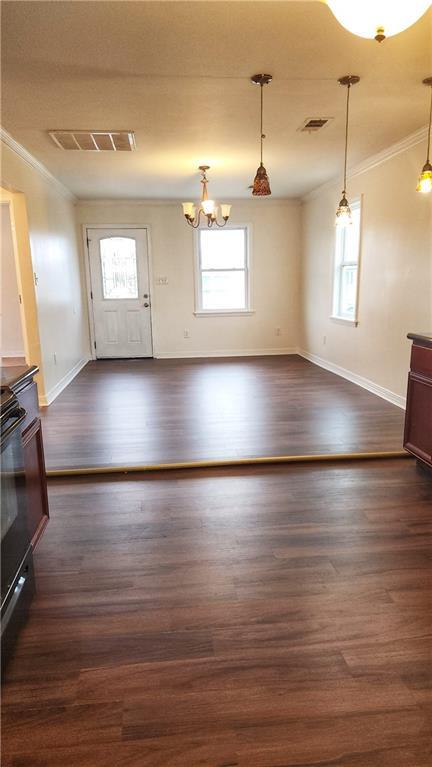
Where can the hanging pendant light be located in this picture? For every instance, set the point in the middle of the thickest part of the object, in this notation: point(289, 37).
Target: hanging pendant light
point(377, 19)
point(343, 213)
point(425, 179)
point(206, 207)
point(261, 184)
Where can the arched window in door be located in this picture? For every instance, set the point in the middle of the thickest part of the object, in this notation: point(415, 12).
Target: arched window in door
point(119, 268)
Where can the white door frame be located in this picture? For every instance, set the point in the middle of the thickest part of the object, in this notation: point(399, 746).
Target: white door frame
point(85, 228)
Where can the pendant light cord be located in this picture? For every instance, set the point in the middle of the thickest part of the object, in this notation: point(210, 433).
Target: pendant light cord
point(262, 109)
point(346, 137)
point(429, 132)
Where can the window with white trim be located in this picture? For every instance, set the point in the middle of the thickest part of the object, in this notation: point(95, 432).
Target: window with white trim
point(346, 268)
point(222, 270)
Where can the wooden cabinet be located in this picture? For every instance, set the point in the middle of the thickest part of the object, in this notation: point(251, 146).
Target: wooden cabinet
point(418, 417)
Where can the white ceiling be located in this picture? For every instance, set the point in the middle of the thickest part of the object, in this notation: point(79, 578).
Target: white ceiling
point(177, 73)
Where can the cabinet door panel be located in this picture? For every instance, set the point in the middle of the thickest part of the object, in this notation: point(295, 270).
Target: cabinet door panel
point(34, 464)
point(421, 360)
point(418, 422)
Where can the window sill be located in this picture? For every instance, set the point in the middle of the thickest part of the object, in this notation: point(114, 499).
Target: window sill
point(227, 313)
point(344, 320)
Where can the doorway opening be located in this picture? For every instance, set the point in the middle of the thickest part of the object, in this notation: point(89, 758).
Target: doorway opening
point(12, 331)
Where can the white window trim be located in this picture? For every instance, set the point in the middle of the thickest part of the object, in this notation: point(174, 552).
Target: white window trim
point(248, 310)
point(340, 318)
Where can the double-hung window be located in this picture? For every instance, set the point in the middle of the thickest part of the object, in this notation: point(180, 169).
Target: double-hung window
point(222, 278)
point(346, 268)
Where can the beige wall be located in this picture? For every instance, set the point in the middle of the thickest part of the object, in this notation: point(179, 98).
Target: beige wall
point(12, 341)
point(275, 227)
point(395, 294)
point(61, 311)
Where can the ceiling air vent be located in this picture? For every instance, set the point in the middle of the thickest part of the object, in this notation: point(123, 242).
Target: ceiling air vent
point(94, 141)
point(312, 124)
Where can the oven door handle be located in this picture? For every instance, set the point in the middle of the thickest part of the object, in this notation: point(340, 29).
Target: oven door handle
point(13, 603)
point(20, 414)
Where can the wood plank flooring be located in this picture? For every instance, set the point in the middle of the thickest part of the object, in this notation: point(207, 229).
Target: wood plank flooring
point(271, 617)
point(128, 412)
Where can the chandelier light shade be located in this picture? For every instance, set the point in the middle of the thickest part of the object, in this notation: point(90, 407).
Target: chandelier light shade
point(206, 208)
point(261, 184)
point(377, 19)
point(425, 179)
point(343, 212)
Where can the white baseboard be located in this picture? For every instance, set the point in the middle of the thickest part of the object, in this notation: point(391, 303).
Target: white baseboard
point(225, 353)
point(365, 383)
point(50, 396)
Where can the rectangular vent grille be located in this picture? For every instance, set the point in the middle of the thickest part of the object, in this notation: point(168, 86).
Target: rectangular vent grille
point(312, 124)
point(94, 141)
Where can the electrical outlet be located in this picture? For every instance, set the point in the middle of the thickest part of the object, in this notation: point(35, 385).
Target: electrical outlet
point(185, 334)
point(278, 331)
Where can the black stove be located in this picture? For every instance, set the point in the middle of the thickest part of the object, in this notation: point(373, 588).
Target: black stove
point(17, 583)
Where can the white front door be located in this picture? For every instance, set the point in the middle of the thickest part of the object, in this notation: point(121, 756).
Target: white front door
point(120, 292)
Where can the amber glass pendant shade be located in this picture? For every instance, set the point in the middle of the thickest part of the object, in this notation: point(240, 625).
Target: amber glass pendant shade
point(261, 184)
point(343, 213)
point(424, 184)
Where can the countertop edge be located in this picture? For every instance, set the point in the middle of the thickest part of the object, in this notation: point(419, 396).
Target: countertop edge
point(19, 376)
point(422, 337)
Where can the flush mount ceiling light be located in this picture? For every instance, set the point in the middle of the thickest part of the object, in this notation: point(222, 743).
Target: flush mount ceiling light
point(425, 179)
point(261, 184)
point(377, 19)
point(206, 207)
point(343, 213)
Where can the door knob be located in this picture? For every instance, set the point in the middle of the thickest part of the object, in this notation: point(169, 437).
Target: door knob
point(146, 304)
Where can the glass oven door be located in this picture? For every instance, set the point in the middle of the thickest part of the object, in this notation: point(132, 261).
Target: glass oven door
point(15, 537)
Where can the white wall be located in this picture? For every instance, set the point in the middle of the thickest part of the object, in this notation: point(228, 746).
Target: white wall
point(12, 341)
point(395, 294)
point(275, 226)
point(62, 312)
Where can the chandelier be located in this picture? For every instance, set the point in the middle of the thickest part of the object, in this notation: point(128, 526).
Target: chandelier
point(261, 184)
point(343, 213)
point(377, 19)
point(425, 179)
point(206, 207)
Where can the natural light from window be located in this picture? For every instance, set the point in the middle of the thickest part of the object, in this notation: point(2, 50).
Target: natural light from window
point(346, 266)
point(223, 270)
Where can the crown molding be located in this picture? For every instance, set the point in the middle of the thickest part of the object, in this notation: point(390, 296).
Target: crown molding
point(373, 161)
point(133, 201)
point(35, 164)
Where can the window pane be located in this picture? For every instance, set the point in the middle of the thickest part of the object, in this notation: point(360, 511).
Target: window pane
point(222, 249)
point(223, 290)
point(348, 291)
point(352, 238)
point(119, 267)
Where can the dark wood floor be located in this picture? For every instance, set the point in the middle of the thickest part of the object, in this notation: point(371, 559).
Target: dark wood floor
point(129, 412)
point(270, 617)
